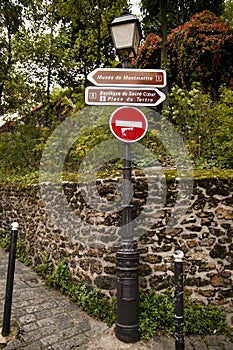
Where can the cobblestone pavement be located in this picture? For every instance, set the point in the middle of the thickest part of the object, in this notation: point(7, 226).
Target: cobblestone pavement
point(46, 319)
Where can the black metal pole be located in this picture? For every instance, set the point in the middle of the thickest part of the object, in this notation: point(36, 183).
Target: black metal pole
point(127, 324)
point(179, 300)
point(10, 281)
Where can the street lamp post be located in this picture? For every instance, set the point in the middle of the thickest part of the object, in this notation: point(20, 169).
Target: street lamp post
point(126, 34)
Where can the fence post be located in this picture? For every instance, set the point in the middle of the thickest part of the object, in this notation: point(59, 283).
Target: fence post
point(10, 280)
point(179, 300)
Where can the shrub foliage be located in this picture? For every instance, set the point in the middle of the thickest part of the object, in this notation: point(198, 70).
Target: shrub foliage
point(200, 50)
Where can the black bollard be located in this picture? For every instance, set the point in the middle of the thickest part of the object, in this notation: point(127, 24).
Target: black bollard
point(10, 281)
point(179, 300)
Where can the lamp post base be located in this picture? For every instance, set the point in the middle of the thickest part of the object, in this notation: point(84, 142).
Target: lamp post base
point(127, 334)
point(127, 325)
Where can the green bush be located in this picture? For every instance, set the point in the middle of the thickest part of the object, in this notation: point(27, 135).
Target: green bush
point(61, 277)
point(205, 125)
point(223, 138)
point(156, 310)
point(203, 319)
point(5, 240)
point(45, 269)
point(94, 302)
point(22, 253)
point(156, 313)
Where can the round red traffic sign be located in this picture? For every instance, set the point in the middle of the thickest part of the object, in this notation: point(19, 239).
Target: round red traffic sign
point(128, 124)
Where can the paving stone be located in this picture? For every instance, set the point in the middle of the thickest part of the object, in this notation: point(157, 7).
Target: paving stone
point(50, 340)
point(42, 332)
point(216, 343)
point(158, 347)
point(13, 344)
point(26, 319)
point(32, 346)
point(156, 343)
point(224, 344)
point(45, 322)
point(228, 346)
point(211, 340)
point(168, 343)
point(30, 327)
point(198, 343)
point(188, 345)
point(71, 343)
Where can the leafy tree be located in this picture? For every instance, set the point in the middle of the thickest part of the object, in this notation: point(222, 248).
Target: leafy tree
point(88, 30)
point(228, 11)
point(178, 12)
point(22, 141)
point(149, 55)
point(64, 41)
point(10, 19)
point(15, 90)
point(40, 51)
point(18, 148)
point(200, 50)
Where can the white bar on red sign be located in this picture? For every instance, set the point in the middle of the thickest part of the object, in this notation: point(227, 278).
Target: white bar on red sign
point(128, 123)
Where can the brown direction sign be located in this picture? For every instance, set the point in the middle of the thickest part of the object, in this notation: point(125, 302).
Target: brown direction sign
point(123, 96)
point(129, 77)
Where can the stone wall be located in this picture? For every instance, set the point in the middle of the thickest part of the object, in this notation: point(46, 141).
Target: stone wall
point(204, 233)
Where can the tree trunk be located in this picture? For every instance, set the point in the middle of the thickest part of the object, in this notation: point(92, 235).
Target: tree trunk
point(98, 34)
point(7, 69)
point(163, 12)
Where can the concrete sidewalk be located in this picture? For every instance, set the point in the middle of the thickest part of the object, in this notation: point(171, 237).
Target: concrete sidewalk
point(46, 319)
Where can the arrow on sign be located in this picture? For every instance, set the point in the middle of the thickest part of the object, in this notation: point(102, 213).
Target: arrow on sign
point(122, 96)
point(129, 77)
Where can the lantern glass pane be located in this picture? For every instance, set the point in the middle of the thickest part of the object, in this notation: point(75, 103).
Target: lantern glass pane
point(123, 35)
point(136, 40)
